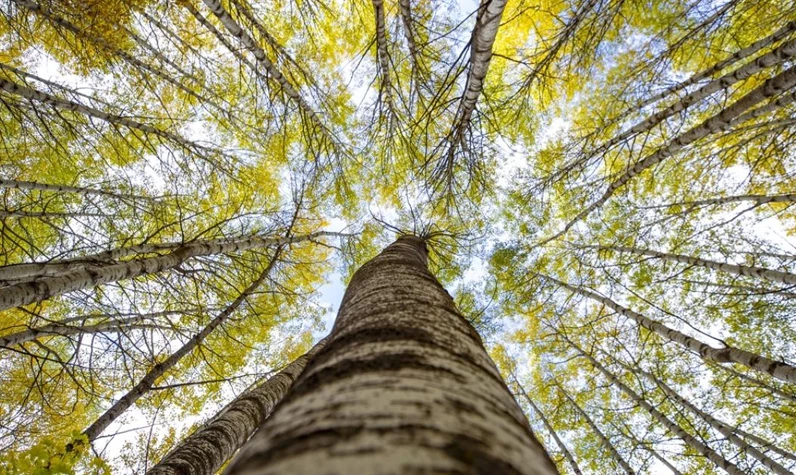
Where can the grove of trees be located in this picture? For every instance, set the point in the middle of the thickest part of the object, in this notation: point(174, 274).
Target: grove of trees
point(604, 187)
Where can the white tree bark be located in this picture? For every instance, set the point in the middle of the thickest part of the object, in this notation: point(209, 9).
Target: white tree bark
point(64, 329)
point(404, 385)
point(775, 57)
point(720, 121)
point(739, 55)
point(560, 443)
point(15, 273)
point(86, 277)
point(146, 383)
point(381, 50)
point(777, 369)
point(246, 39)
point(745, 271)
point(206, 450)
point(670, 425)
point(484, 34)
point(600, 435)
point(722, 428)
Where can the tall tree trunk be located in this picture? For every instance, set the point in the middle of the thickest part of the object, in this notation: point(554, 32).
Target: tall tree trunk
point(249, 42)
point(560, 443)
point(730, 433)
point(404, 385)
point(723, 119)
point(775, 57)
point(409, 34)
point(25, 271)
point(737, 56)
point(32, 185)
point(206, 450)
point(756, 199)
point(728, 354)
point(34, 95)
point(146, 383)
point(484, 34)
point(745, 271)
point(127, 57)
point(670, 425)
point(44, 288)
point(603, 438)
point(62, 329)
point(382, 55)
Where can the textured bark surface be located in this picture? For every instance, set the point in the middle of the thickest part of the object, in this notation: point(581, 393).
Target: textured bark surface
point(381, 51)
point(484, 34)
point(206, 450)
point(728, 354)
point(404, 385)
point(22, 272)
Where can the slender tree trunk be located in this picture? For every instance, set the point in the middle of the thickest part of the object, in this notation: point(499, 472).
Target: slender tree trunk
point(381, 50)
point(404, 385)
point(729, 354)
point(730, 433)
point(603, 438)
point(44, 288)
point(772, 106)
point(130, 59)
point(221, 38)
point(737, 56)
point(206, 450)
point(756, 199)
point(484, 34)
point(409, 34)
point(561, 446)
point(745, 271)
point(249, 42)
point(772, 87)
point(775, 57)
point(32, 185)
point(146, 383)
point(61, 329)
point(670, 425)
point(30, 94)
point(14, 273)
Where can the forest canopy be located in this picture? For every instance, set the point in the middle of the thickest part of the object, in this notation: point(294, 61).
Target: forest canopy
point(606, 188)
